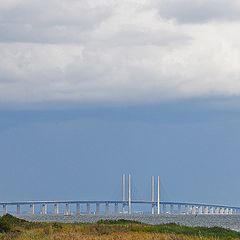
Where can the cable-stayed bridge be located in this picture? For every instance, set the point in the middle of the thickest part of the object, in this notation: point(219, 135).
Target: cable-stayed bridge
point(125, 206)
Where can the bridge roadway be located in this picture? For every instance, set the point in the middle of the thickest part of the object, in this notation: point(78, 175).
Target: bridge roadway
point(42, 207)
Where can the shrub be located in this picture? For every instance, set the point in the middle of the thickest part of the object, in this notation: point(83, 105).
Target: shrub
point(57, 225)
point(5, 226)
point(8, 222)
point(118, 221)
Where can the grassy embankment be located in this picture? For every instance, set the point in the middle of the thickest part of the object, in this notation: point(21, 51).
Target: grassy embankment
point(14, 228)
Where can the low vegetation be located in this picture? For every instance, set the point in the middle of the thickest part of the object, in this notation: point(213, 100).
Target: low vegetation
point(14, 228)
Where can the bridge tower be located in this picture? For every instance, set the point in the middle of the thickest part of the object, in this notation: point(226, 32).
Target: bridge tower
point(153, 197)
point(158, 193)
point(129, 195)
point(123, 191)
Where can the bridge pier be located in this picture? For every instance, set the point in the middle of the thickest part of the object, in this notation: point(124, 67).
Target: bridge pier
point(211, 210)
point(193, 210)
point(77, 208)
point(5, 209)
point(153, 208)
point(67, 209)
point(123, 207)
point(206, 210)
point(197, 210)
point(32, 209)
point(18, 209)
point(221, 210)
point(56, 208)
point(229, 211)
point(44, 209)
point(189, 209)
point(129, 208)
point(179, 209)
point(164, 208)
point(88, 208)
point(107, 208)
point(116, 208)
point(225, 211)
point(171, 208)
point(97, 208)
point(186, 209)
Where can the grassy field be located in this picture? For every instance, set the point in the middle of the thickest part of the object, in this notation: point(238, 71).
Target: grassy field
point(14, 228)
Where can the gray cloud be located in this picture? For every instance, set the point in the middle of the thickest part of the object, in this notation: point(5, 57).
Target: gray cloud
point(50, 21)
point(114, 51)
point(189, 11)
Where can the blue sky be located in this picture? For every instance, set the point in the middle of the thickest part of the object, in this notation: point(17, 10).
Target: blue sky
point(81, 153)
point(93, 89)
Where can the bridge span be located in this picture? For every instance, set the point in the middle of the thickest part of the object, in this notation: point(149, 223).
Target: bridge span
point(113, 207)
point(125, 206)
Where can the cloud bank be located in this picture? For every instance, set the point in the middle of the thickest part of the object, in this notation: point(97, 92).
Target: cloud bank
point(118, 51)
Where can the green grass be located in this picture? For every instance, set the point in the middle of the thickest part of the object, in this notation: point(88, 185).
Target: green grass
point(172, 228)
point(215, 232)
point(14, 228)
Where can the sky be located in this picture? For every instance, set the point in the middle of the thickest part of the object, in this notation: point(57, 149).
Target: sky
point(90, 90)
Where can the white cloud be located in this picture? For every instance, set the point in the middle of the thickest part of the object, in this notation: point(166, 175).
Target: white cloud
point(107, 50)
